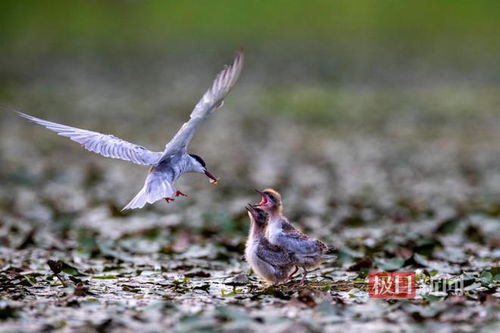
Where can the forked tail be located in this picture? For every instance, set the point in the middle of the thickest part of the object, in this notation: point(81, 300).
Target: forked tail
point(156, 187)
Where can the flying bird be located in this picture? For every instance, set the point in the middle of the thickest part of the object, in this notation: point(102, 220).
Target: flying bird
point(308, 252)
point(167, 166)
point(271, 263)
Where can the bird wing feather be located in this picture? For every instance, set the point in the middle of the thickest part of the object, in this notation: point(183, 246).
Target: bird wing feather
point(273, 254)
point(211, 100)
point(305, 243)
point(104, 144)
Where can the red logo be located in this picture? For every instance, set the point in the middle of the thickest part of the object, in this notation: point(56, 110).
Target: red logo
point(391, 285)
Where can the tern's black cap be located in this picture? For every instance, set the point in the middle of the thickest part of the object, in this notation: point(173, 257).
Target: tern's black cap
point(199, 159)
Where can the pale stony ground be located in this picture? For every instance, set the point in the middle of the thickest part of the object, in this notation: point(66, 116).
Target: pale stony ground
point(398, 177)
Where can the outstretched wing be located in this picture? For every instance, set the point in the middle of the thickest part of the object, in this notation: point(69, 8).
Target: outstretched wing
point(103, 144)
point(211, 100)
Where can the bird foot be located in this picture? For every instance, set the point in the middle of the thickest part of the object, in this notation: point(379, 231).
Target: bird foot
point(179, 193)
point(168, 199)
point(290, 278)
point(303, 281)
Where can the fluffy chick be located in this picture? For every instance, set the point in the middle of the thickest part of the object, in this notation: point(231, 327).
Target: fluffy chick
point(308, 252)
point(271, 263)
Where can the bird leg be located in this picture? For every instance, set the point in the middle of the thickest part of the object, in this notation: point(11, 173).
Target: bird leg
point(169, 199)
point(304, 277)
point(291, 275)
point(179, 193)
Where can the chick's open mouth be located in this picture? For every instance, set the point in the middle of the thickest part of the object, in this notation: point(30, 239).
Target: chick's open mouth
point(263, 200)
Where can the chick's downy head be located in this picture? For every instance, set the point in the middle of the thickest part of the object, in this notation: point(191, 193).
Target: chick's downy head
point(270, 201)
point(257, 216)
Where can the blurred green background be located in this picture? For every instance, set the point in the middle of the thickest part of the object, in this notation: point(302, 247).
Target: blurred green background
point(393, 67)
point(374, 64)
point(469, 26)
point(444, 45)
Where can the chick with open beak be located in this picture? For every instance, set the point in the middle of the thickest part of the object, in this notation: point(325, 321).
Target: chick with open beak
point(271, 263)
point(308, 252)
point(270, 201)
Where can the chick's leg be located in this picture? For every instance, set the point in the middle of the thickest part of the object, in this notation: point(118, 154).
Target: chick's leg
point(304, 277)
point(290, 277)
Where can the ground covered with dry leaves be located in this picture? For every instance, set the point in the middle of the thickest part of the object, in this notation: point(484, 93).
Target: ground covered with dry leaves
point(399, 177)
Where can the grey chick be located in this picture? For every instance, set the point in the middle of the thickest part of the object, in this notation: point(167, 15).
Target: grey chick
point(271, 263)
point(167, 166)
point(309, 253)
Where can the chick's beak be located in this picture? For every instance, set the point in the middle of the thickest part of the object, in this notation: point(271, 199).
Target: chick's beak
point(250, 209)
point(263, 200)
point(213, 179)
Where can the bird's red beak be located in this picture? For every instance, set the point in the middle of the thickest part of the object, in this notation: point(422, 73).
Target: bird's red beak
point(263, 200)
point(213, 179)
